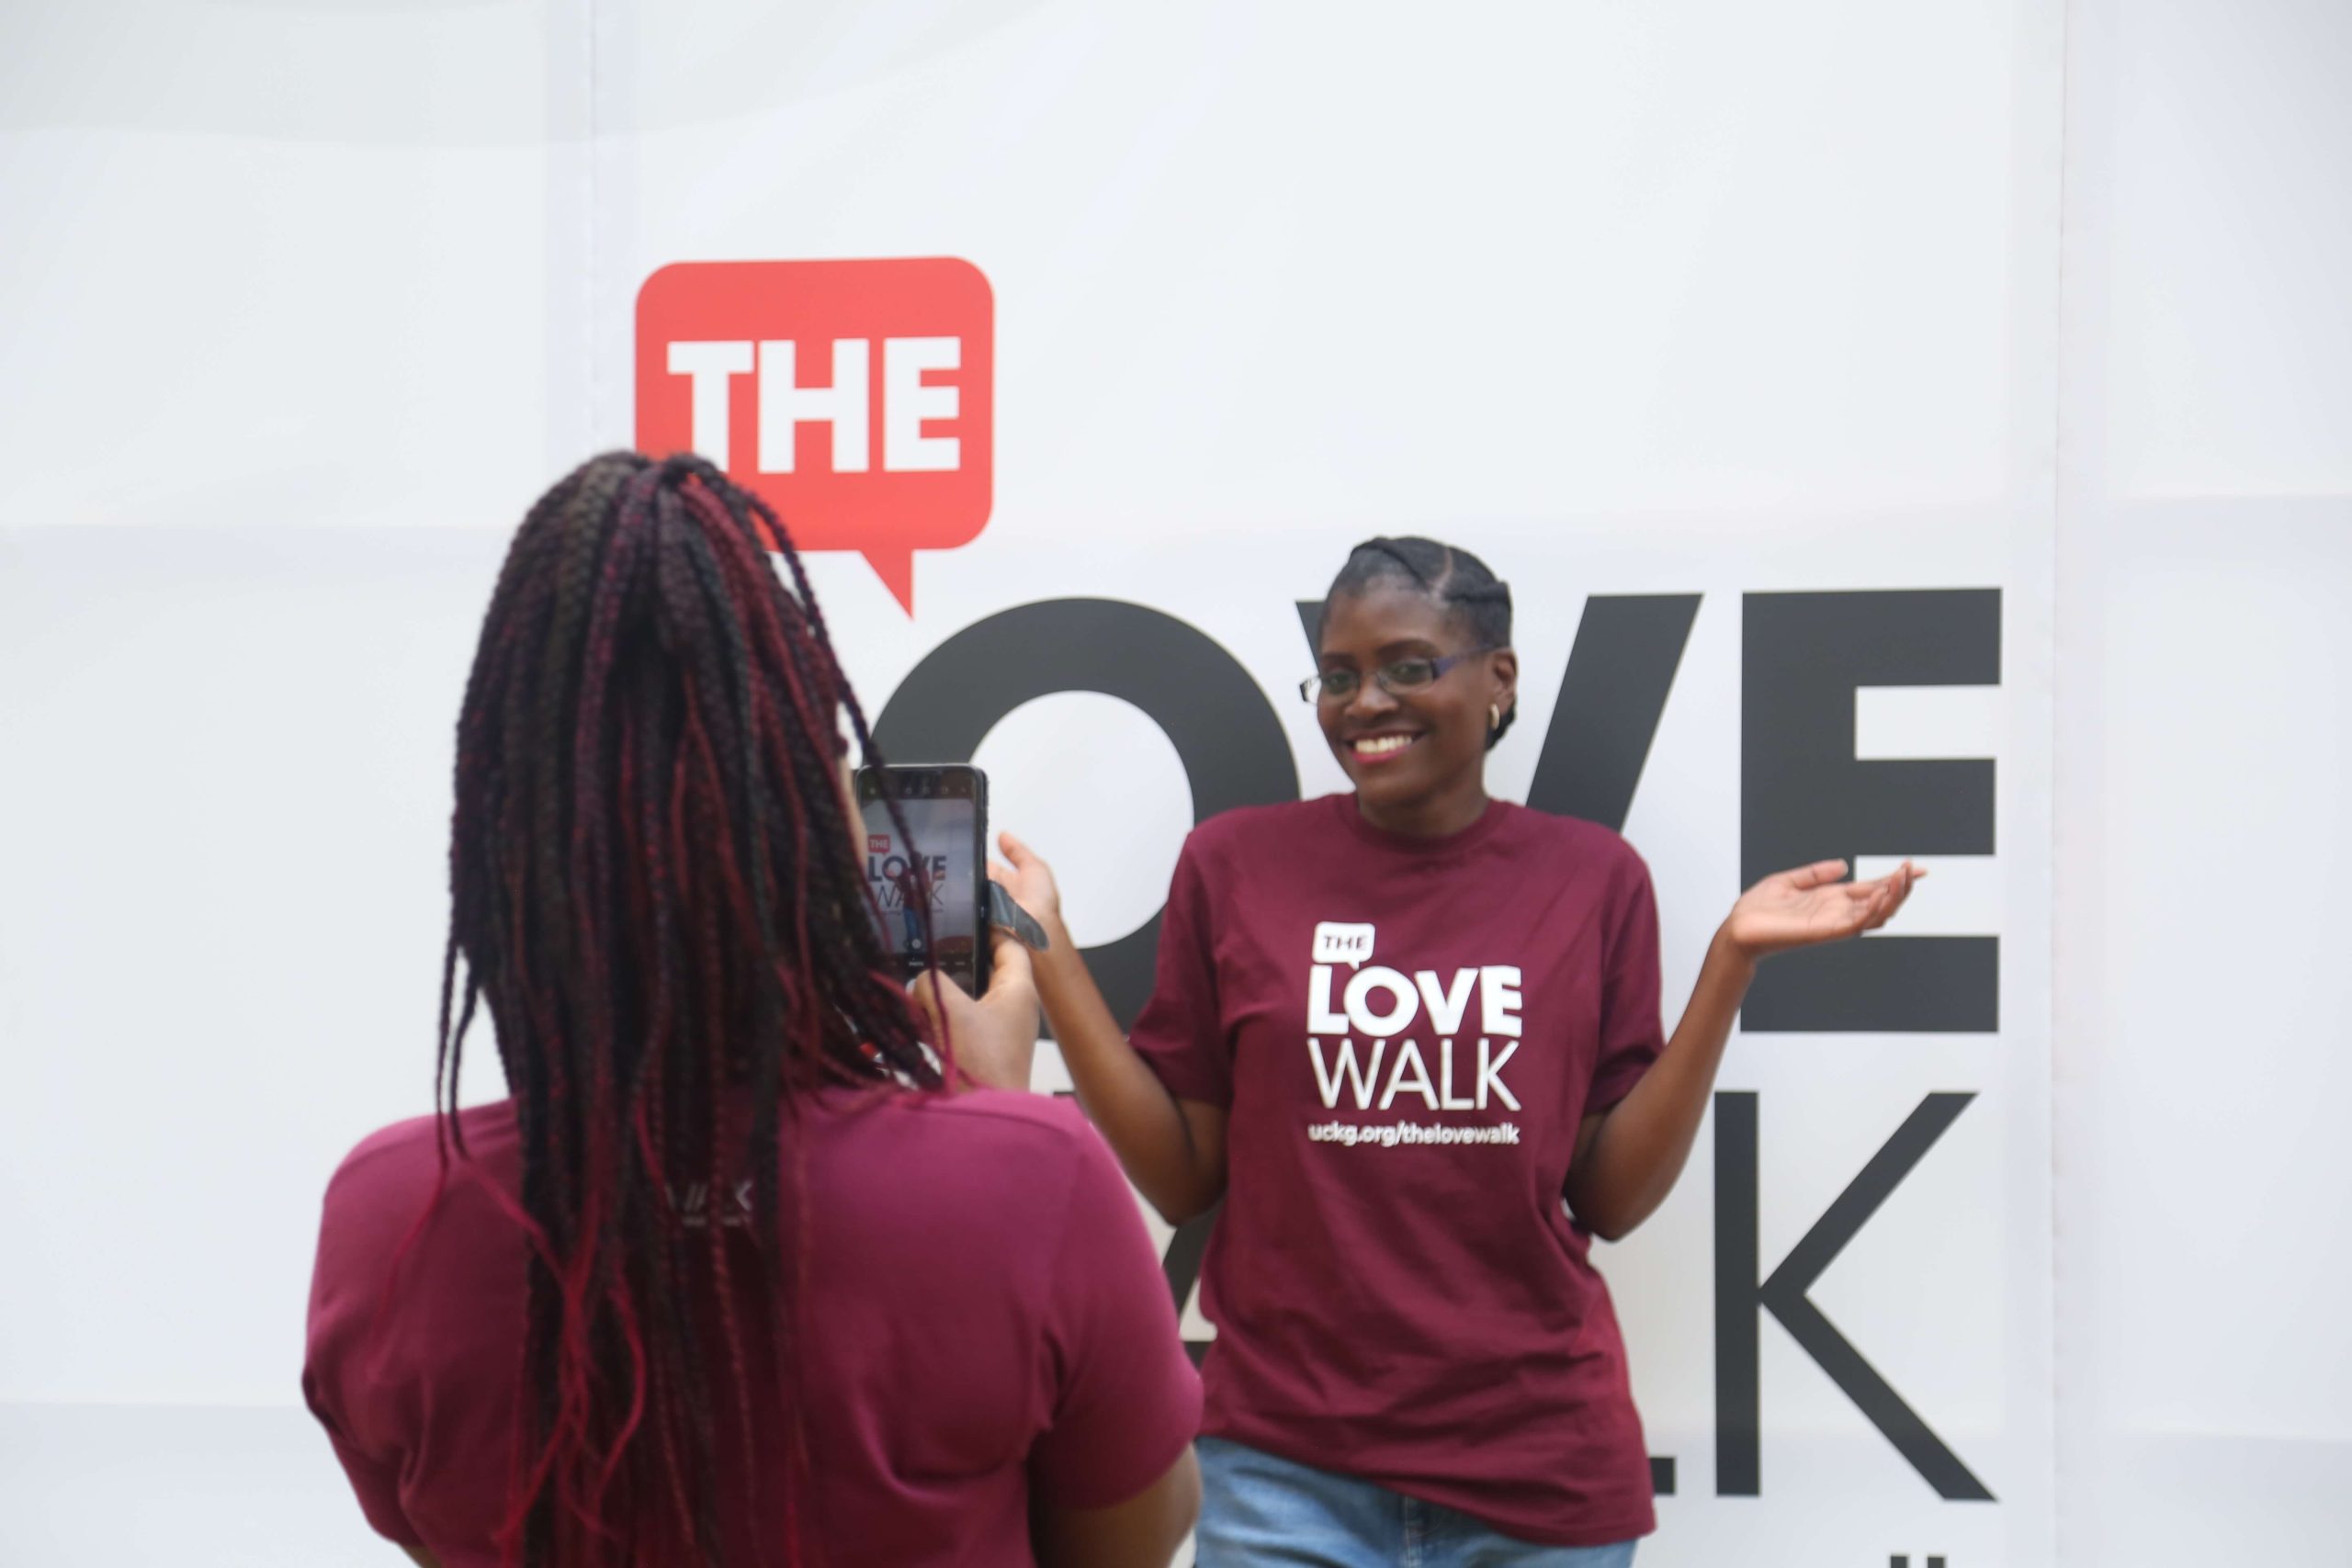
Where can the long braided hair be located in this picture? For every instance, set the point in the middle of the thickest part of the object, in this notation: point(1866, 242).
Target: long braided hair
point(654, 890)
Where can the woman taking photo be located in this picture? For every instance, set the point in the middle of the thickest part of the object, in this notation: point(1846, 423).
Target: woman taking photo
point(1392, 1031)
point(732, 1277)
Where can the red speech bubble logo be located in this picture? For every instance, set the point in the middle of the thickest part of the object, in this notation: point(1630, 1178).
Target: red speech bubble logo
point(857, 398)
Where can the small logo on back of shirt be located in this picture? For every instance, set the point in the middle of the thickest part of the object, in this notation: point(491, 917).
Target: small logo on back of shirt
point(692, 1205)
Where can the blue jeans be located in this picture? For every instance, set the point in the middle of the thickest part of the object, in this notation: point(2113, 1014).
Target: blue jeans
point(1256, 1508)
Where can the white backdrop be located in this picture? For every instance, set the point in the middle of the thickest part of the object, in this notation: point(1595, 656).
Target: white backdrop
point(305, 303)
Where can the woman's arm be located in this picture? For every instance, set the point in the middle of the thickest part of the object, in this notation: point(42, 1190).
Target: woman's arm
point(1173, 1150)
point(1629, 1156)
point(1142, 1532)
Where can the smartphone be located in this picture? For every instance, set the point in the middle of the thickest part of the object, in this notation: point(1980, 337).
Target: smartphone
point(946, 811)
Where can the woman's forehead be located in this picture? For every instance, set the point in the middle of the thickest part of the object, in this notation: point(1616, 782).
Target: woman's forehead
point(1368, 619)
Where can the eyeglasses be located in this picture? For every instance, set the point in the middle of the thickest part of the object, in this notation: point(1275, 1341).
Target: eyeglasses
point(1396, 677)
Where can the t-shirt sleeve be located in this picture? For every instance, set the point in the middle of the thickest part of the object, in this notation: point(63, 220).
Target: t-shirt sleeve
point(1180, 1032)
point(354, 1241)
point(1631, 1033)
point(1123, 1398)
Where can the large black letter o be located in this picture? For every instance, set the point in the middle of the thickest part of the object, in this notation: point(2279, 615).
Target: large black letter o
point(1232, 746)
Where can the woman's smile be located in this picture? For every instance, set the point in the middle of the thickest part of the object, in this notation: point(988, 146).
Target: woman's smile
point(1384, 747)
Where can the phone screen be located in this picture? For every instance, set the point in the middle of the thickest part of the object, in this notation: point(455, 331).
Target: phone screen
point(945, 810)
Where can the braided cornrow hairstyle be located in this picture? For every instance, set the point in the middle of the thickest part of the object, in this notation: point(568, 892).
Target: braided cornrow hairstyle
point(1458, 581)
point(653, 889)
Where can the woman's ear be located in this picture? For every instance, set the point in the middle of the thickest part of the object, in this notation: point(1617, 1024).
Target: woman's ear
point(1502, 669)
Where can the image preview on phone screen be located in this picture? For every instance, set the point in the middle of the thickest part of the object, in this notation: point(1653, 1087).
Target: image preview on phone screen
point(942, 840)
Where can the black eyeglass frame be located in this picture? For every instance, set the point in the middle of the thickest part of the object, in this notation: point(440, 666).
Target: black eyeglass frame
point(1311, 689)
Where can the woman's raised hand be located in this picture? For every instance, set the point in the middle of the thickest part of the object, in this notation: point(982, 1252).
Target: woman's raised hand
point(1031, 882)
point(1810, 904)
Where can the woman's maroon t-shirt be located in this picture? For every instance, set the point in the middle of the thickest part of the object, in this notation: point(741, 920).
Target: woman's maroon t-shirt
point(989, 1315)
point(1407, 1033)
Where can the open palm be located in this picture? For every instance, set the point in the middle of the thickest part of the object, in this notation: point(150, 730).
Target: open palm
point(1809, 905)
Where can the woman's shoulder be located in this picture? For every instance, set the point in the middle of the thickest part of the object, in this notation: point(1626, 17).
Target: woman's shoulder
point(1248, 829)
point(419, 1139)
point(986, 1128)
point(396, 1167)
point(1016, 1115)
point(1578, 837)
point(396, 1196)
point(982, 1175)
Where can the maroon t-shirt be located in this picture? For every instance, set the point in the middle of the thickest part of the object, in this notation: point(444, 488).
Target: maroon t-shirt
point(1407, 1033)
point(991, 1315)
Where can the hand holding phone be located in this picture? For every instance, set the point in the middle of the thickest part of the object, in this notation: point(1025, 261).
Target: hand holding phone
point(994, 1035)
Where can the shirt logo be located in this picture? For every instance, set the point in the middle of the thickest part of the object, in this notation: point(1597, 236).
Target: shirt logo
point(693, 1207)
point(1395, 1036)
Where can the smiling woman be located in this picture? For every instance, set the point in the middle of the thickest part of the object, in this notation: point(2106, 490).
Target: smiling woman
point(1411, 1036)
point(1419, 680)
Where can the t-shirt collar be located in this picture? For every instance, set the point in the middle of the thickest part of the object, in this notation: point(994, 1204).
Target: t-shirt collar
point(1344, 808)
